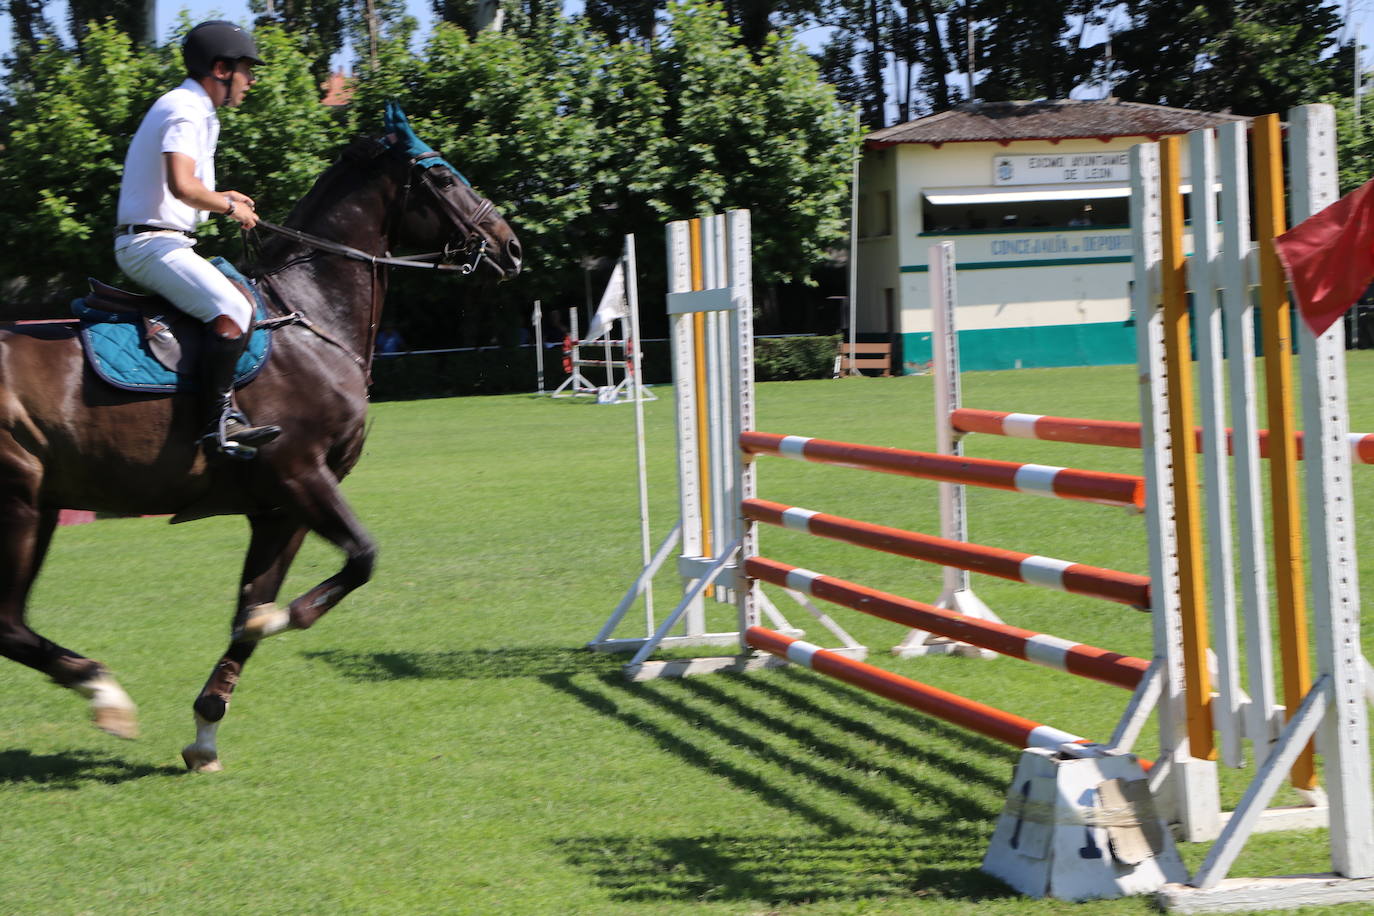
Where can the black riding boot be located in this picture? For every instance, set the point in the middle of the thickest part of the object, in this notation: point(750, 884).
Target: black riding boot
point(228, 433)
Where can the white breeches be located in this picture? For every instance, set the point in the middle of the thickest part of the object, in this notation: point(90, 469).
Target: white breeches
point(165, 263)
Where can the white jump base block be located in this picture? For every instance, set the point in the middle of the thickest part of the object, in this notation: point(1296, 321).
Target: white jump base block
point(1247, 895)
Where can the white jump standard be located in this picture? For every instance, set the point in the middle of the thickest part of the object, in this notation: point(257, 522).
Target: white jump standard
point(1066, 785)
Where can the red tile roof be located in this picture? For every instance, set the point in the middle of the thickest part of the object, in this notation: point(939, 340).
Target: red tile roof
point(337, 90)
point(1004, 122)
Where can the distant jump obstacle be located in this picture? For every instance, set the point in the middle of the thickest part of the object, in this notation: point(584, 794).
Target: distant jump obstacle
point(624, 352)
point(1035, 847)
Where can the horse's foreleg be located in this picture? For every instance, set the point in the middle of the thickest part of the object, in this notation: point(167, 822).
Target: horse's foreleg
point(272, 547)
point(25, 533)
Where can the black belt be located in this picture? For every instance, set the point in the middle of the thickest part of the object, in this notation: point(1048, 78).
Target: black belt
point(136, 228)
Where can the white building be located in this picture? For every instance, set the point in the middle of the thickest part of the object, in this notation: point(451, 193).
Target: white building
point(1035, 197)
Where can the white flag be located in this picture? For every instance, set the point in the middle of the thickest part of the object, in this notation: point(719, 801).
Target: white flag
point(613, 306)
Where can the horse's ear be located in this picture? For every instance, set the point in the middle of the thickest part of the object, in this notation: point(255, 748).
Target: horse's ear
point(394, 121)
point(401, 137)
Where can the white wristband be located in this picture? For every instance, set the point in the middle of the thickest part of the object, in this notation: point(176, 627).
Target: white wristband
point(230, 211)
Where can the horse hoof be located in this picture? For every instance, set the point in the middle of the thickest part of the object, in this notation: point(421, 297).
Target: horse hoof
point(199, 760)
point(114, 720)
point(263, 621)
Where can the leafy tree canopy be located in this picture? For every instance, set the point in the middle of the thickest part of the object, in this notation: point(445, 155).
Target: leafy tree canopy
point(578, 139)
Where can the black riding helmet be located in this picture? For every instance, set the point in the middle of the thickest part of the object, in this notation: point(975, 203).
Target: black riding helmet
point(216, 40)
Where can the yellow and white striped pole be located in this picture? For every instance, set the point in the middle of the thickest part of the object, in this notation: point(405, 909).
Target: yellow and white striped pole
point(1277, 323)
point(1188, 528)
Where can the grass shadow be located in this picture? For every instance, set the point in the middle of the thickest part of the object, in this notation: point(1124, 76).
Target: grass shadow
point(602, 697)
point(964, 796)
point(932, 862)
point(473, 664)
point(73, 769)
point(878, 706)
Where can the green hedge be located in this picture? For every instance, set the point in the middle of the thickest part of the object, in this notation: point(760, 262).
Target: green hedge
point(507, 370)
point(786, 359)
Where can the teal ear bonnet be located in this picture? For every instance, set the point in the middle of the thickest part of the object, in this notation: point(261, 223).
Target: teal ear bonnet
point(400, 137)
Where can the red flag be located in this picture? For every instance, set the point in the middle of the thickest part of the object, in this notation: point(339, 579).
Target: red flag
point(1329, 258)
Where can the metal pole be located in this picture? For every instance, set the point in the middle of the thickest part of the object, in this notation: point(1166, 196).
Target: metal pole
point(634, 367)
point(538, 321)
point(853, 264)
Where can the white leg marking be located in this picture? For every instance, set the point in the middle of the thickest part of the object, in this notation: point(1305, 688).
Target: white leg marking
point(111, 708)
point(266, 620)
point(202, 756)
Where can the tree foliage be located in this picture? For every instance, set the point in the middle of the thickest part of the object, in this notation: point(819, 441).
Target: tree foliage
point(900, 59)
point(578, 139)
point(1030, 50)
point(64, 134)
point(317, 26)
point(1354, 141)
point(62, 143)
point(1244, 56)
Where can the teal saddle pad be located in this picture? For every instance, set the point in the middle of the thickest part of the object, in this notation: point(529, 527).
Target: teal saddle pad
point(118, 352)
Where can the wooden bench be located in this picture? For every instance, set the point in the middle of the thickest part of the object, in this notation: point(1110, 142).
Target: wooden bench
point(864, 356)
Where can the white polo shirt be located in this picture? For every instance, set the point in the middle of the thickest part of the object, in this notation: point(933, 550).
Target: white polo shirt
point(182, 121)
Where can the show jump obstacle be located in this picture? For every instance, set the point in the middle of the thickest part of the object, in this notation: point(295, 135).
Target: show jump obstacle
point(1066, 784)
point(618, 310)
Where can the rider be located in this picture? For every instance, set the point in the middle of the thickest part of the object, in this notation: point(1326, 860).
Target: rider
point(168, 189)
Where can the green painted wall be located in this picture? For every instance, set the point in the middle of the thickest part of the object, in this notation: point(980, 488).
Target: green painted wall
point(1105, 344)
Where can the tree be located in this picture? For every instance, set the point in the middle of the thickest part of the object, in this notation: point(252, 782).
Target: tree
point(64, 134)
point(1242, 56)
point(1030, 49)
point(62, 140)
point(624, 20)
point(28, 24)
point(765, 134)
point(580, 140)
point(317, 26)
point(892, 54)
point(1354, 141)
point(129, 16)
point(281, 138)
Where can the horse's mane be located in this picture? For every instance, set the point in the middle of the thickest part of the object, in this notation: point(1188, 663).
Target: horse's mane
point(360, 154)
point(360, 151)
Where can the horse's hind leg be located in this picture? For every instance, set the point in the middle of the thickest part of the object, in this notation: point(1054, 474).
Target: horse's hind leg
point(273, 545)
point(25, 533)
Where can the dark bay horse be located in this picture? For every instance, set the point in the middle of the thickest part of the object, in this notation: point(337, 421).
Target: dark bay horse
point(69, 440)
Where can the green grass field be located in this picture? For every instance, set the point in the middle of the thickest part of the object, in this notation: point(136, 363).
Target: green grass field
point(441, 744)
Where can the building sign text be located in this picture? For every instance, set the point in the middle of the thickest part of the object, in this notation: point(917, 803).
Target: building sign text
point(1061, 168)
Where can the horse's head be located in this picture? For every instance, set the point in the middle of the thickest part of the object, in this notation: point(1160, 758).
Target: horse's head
point(442, 210)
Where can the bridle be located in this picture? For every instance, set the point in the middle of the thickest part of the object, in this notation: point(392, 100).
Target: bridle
point(467, 241)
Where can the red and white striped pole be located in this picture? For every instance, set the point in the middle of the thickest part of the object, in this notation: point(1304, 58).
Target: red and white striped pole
point(1040, 648)
point(1077, 578)
point(1114, 433)
point(1043, 480)
point(1009, 728)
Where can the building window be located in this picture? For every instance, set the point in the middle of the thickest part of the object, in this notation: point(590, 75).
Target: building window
point(875, 215)
point(1014, 217)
